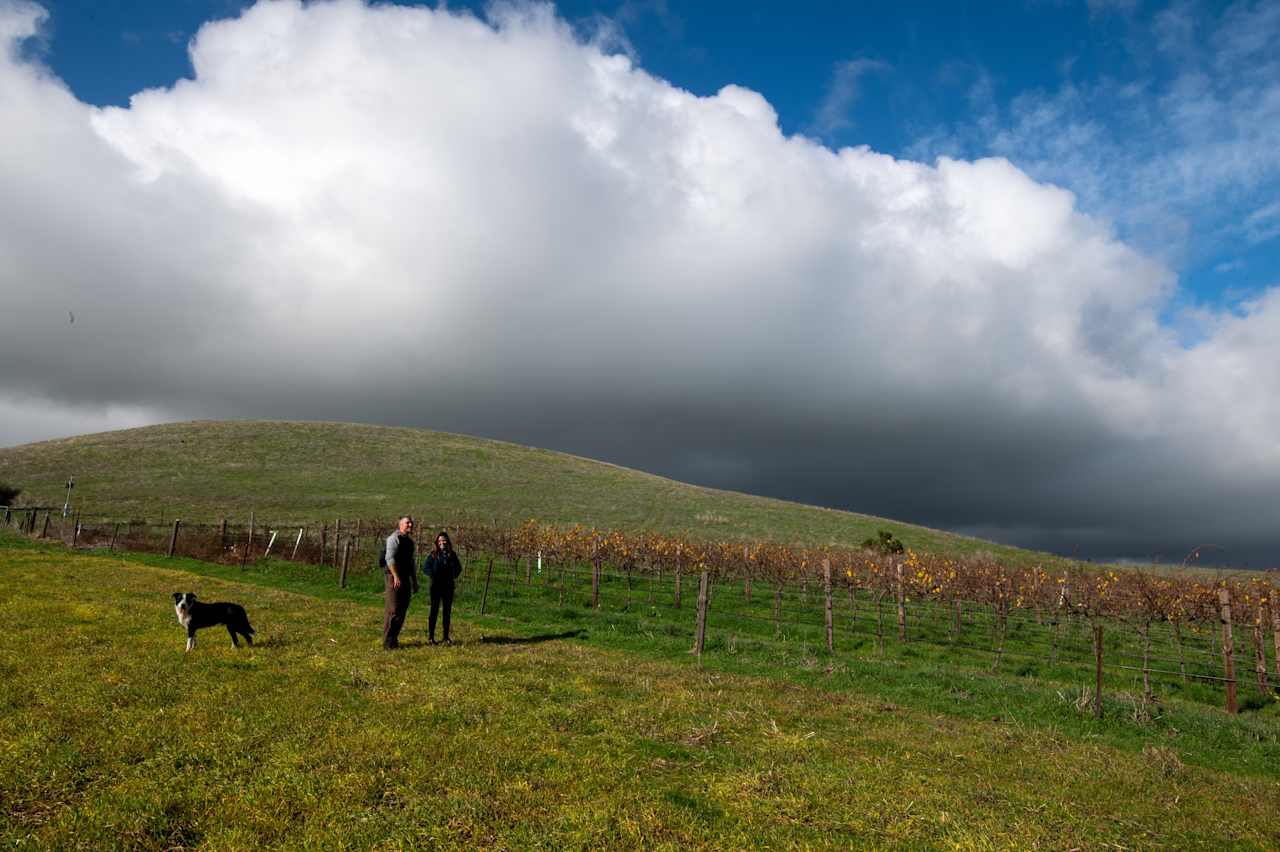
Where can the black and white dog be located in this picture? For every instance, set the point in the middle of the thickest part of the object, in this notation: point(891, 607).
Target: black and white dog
point(193, 615)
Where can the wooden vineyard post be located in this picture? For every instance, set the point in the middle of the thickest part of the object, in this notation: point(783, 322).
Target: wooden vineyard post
point(6, 516)
point(826, 589)
point(115, 531)
point(297, 543)
point(1097, 671)
point(323, 544)
point(678, 575)
point(853, 600)
point(1144, 630)
point(75, 530)
point(902, 607)
point(777, 608)
point(1260, 656)
point(879, 594)
point(346, 560)
point(270, 543)
point(1035, 595)
point(44, 532)
point(222, 535)
point(1274, 606)
point(595, 574)
point(249, 543)
point(1056, 624)
point(488, 575)
point(1182, 651)
point(1002, 621)
point(1228, 650)
point(173, 537)
point(700, 629)
point(337, 539)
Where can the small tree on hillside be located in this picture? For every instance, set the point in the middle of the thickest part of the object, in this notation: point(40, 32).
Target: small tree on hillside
point(8, 494)
point(884, 543)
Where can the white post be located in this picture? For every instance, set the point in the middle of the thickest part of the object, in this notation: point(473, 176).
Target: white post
point(273, 541)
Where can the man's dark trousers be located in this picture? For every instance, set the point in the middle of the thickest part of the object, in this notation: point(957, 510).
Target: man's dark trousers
point(397, 607)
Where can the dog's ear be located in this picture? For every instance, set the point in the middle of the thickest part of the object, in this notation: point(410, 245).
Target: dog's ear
point(191, 595)
point(177, 596)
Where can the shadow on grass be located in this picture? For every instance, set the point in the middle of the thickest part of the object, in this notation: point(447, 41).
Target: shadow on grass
point(408, 644)
point(531, 640)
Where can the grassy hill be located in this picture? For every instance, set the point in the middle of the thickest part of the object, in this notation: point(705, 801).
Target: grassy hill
point(517, 739)
point(304, 472)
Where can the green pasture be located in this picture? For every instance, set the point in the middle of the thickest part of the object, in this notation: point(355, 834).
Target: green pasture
point(561, 726)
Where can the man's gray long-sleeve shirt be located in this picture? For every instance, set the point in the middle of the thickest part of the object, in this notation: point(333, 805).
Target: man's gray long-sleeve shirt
point(400, 552)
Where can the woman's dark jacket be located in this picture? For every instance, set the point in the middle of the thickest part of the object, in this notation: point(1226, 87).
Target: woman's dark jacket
point(442, 568)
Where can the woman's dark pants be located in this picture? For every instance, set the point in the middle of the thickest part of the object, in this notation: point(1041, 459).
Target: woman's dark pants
point(440, 594)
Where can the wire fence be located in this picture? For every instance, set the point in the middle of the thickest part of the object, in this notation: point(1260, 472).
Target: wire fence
point(772, 618)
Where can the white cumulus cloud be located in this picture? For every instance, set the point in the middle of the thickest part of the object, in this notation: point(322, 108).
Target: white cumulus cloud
point(417, 216)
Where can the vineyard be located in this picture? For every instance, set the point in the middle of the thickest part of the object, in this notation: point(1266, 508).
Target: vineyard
point(1171, 633)
point(548, 726)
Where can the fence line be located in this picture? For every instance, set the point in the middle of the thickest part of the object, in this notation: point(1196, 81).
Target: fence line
point(1059, 641)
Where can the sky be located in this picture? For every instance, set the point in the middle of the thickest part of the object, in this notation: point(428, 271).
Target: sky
point(1008, 269)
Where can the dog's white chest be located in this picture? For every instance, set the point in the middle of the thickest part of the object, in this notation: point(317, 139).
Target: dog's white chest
point(183, 618)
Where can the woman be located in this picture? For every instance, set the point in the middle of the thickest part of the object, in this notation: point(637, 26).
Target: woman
point(443, 567)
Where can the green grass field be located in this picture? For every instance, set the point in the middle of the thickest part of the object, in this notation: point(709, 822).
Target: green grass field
point(307, 472)
point(523, 736)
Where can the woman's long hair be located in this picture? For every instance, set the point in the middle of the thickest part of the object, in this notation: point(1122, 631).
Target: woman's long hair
point(435, 543)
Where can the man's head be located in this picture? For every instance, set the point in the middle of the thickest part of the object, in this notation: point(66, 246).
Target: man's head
point(406, 525)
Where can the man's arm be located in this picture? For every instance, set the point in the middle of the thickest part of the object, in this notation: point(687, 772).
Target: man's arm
point(392, 547)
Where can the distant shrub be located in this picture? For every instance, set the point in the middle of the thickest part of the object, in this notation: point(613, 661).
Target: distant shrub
point(8, 494)
point(884, 542)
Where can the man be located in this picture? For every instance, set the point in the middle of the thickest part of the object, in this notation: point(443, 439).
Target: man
point(400, 582)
